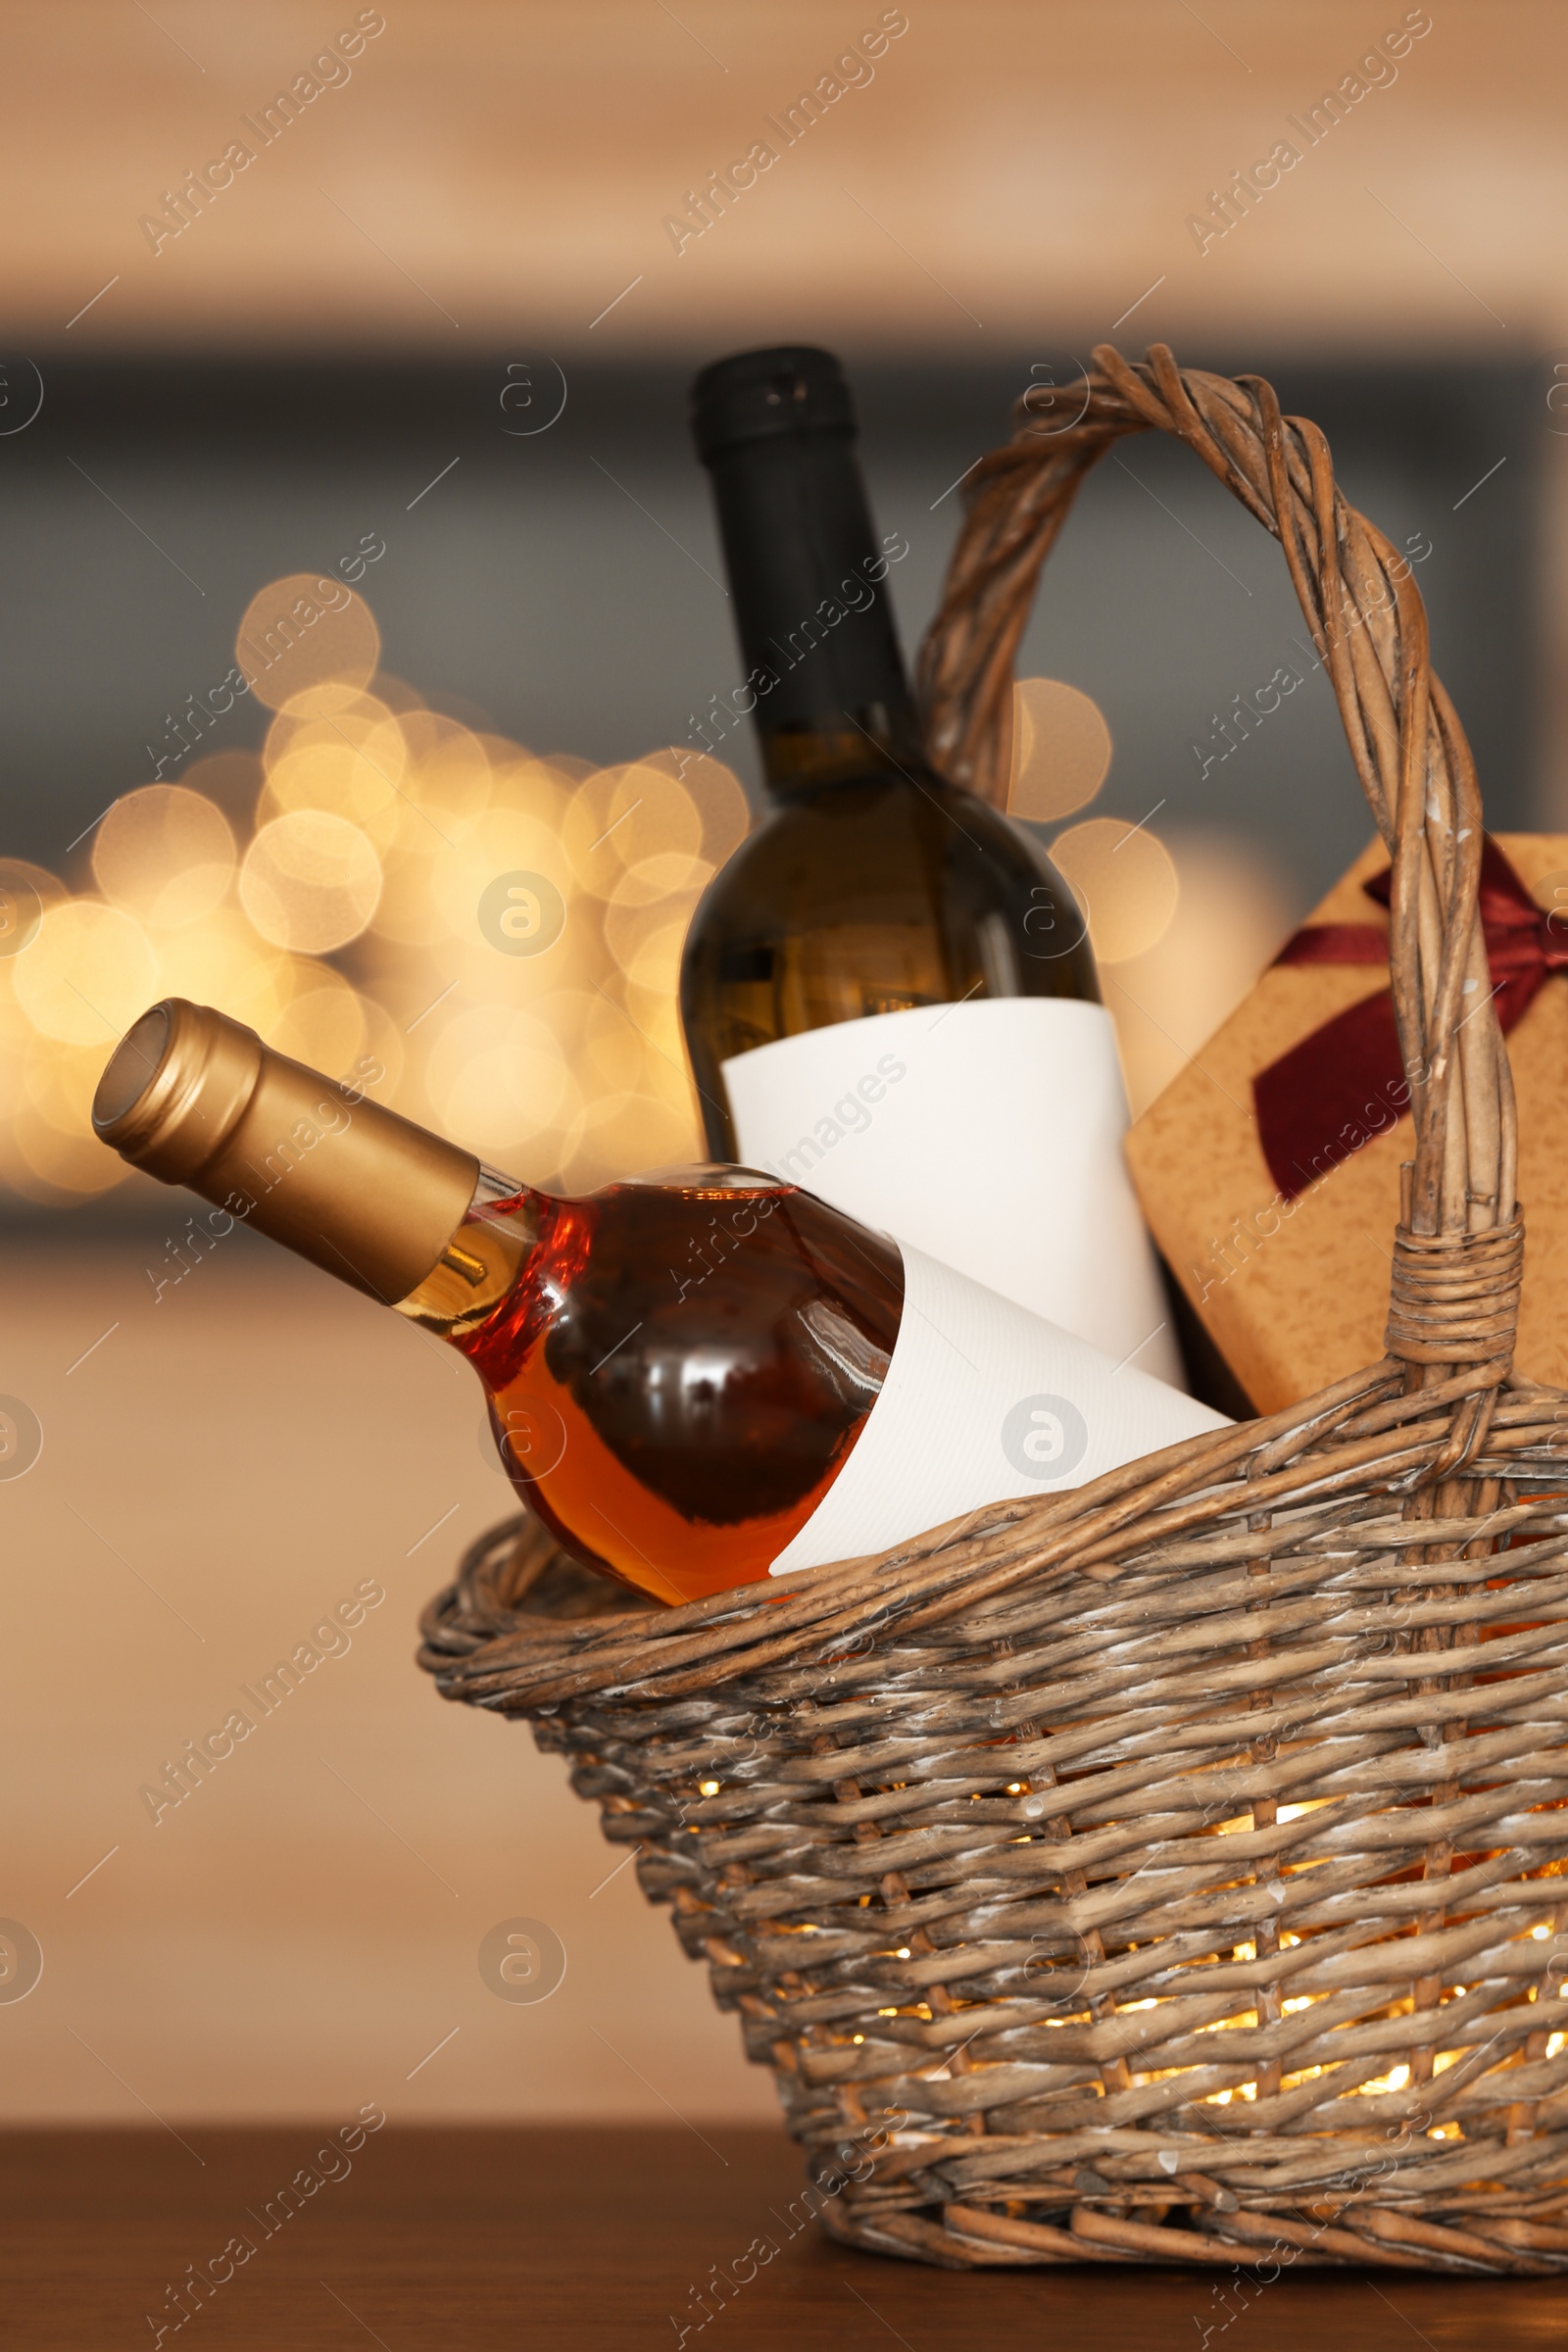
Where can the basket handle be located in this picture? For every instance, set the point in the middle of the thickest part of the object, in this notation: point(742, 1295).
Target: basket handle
point(1457, 1265)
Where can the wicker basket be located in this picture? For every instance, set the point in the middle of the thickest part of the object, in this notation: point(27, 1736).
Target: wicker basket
point(1168, 1871)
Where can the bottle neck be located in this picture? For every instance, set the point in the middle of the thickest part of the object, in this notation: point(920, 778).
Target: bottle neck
point(809, 583)
point(479, 1269)
point(870, 741)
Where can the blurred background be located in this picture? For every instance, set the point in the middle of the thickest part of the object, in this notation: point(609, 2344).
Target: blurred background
point(357, 563)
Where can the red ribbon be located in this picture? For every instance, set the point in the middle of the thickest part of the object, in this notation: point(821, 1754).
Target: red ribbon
point(1345, 1083)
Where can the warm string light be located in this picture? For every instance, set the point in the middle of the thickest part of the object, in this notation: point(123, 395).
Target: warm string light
point(332, 892)
point(499, 931)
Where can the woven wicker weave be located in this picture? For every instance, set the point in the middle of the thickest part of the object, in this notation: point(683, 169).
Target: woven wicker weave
point(1167, 1871)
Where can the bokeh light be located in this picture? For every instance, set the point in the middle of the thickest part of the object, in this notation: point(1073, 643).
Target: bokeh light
point(646, 937)
point(451, 771)
point(715, 791)
point(330, 893)
point(306, 639)
point(1060, 750)
point(26, 890)
point(350, 763)
point(667, 874)
point(624, 1132)
point(497, 842)
point(311, 881)
point(1231, 920)
point(166, 855)
point(500, 1083)
point(652, 814)
point(224, 964)
point(54, 1167)
point(588, 831)
point(59, 1081)
point(88, 973)
point(1124, 879)
point(322, 1025)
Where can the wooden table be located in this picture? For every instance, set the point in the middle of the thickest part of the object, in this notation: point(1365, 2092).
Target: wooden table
point(447, 2240)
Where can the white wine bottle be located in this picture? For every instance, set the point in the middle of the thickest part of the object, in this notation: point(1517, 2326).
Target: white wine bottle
point(888, 992)
point(697, 1378)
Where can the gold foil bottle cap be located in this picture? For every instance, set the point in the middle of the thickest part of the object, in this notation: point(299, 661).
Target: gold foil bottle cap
point(197, 1099)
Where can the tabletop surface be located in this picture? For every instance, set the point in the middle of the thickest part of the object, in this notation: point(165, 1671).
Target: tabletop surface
point(449, 2241)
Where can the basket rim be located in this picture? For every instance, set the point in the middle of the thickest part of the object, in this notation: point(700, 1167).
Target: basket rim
point(483, 1643)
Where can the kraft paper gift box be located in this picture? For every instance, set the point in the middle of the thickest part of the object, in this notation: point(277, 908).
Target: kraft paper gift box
point(1269, 1170)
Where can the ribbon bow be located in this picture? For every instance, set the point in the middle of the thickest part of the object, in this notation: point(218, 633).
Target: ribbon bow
point(1346, 1082)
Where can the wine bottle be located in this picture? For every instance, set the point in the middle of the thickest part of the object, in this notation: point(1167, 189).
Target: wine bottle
point(888, 992)
point(697, 1378)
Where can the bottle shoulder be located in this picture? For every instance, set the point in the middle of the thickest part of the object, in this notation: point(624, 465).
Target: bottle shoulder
point(880, 834)
point(858, 868)
point(869, 898)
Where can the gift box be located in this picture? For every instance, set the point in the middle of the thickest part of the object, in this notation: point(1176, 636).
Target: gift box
point(1269, 1170)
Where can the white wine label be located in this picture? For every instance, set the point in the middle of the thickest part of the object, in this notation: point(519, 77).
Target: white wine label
point(989, 1135)
point(982, 1402)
